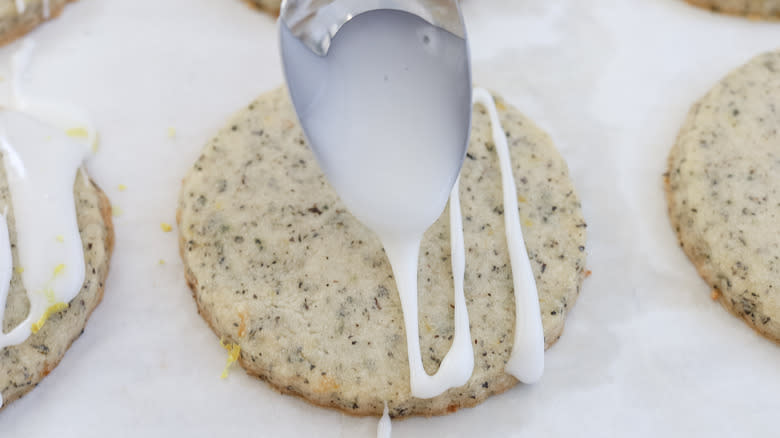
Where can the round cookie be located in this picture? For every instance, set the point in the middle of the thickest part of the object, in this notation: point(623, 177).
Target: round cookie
point(723, 190)
point(762, 9)
point(279, 266)
point(14, 24)
point(270, 6)
point(23, 366)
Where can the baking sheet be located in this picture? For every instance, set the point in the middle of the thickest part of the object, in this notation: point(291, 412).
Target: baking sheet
point(645, 352)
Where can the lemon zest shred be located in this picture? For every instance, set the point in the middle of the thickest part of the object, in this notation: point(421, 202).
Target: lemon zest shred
point(58, 269)
point(162, 262)
point(166, 227)
point(116, 211)
point(234, 351)
point(19, 269)
point(60, 238)
point(54, 308)
point(171, 132)
point(242, 324)
point(122, 187)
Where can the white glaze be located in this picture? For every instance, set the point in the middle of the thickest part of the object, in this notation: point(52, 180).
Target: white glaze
point(384, 429)
point(41, 163)
point(526, 362)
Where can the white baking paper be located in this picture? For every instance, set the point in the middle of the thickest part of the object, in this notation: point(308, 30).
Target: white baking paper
point(645, 353)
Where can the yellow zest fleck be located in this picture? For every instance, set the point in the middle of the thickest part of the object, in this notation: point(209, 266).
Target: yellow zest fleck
point(116, 211)
point(166, 227)
point(58, 269)
point(60, 239)
point(2, 79)
point(528, 223)
point(171, 132)
point(242, 324)
point(234, 350)
point(500, 105)
point(96, 144)
point(77, 132)
point(219, 206)
point(54, 308)
point(521, 199)
point(122, 187)
point(19, 269)
point(47, 138)
point(162, 262)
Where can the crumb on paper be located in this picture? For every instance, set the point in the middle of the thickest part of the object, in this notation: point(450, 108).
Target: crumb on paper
point(166, 227)
point(234, 350)
point(588, 273)
point(77, 132)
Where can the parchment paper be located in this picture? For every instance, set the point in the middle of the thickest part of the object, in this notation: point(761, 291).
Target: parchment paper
point(645, 353)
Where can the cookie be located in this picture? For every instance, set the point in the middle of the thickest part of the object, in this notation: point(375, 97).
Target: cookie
point(23, 366)
point(270, 6)
point(279, 266)
point(723, 191)
point(761, 9)
point(14, 24)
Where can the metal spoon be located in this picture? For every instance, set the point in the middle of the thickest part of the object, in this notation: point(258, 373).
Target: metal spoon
point(326, 96)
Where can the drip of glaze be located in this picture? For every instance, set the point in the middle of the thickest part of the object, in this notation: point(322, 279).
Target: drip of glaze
point(20, 6)
point(41, 163)
point(526, 362)
point(69, 118)
point(46, 10)
point(458, 364)
point(385, 427)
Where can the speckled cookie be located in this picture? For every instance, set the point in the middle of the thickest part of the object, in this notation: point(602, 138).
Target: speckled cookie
point(761, 9)
point(723, 189)
point(279, 266)
point(23, 366)
point(270, 6)
point(14, 25)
